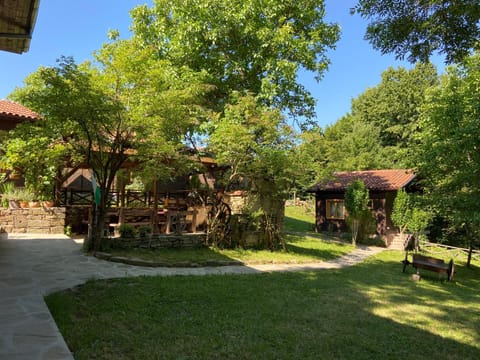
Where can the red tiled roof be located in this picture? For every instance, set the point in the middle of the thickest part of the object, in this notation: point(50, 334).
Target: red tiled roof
point(380, 180)
point(13, 109)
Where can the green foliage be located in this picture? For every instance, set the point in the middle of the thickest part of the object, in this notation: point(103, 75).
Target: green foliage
point(299, 219)
point(356, 198)
point(119, 318)
point(410, 213)
point(255, 145)
point(356, 204)
point(401, 212)
point(449, 159)
point(244, 45)
point(380, 132)
point(33, 150)
point(127, 231)
point(144, 231)
point(420, 28)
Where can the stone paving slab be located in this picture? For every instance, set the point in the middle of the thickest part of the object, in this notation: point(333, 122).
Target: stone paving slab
point(32, 266)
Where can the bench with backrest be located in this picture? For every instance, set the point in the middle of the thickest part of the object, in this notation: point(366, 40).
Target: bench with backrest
point(433, 264)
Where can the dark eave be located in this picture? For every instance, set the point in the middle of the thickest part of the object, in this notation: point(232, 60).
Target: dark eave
point(17, 21)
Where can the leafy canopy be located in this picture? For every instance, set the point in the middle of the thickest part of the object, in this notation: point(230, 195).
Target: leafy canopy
point(418, 28)
point(244, 45)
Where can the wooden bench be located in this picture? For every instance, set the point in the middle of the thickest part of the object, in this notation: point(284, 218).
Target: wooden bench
point(433, 264)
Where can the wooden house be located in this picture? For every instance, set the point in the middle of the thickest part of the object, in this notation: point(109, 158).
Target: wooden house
point(330, 213)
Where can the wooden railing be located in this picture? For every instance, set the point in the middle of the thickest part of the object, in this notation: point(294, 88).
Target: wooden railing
point(442, 250)
point(176, 199)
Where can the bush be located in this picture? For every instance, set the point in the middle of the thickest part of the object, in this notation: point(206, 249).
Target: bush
point(127, 231)
point(144, 231)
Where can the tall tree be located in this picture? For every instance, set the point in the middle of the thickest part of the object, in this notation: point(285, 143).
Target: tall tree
point(449, 159)
point(245, 45)
point(393, 106)
point(113, 110)
point(356, 203)
point(354, 144)
point(418, 28)
point(255, 145)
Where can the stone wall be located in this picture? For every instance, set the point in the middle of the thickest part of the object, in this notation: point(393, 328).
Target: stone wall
point(33, 220)
point(157, 241)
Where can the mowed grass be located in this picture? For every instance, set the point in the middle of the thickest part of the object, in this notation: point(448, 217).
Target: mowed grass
point(299, 219)
point(300, 249)
point(368, 311)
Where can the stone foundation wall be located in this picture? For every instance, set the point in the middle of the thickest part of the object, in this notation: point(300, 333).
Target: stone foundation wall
point(33, 220)
point(157, 241)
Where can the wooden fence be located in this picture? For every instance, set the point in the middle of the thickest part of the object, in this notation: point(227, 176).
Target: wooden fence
point(72, 197)
point(441, 250)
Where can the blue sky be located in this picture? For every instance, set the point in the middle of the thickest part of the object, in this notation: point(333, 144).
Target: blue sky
point(77, 28)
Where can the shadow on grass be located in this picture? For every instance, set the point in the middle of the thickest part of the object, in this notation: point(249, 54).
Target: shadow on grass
point(368, 311)
point(320, 254)
point(292, 224)
point(176, 257)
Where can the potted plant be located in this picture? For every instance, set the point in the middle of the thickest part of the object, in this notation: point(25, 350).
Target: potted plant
point(24, 197)
point(9, 195)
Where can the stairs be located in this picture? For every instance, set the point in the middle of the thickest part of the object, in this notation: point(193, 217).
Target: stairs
point(397, 242)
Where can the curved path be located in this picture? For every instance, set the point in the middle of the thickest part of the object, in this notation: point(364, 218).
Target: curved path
point(32, 266)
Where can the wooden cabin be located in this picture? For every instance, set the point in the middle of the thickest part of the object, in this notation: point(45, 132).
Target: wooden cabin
point(330, 213)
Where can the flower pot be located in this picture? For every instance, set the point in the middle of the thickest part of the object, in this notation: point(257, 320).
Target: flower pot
point(48, 203)
point(34, 204)
point(23, 204)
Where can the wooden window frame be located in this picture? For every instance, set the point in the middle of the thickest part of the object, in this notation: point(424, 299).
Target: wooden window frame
point(336, 215)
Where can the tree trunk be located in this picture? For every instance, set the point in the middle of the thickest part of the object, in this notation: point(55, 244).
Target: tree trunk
point(470, 251)
point(355, 227)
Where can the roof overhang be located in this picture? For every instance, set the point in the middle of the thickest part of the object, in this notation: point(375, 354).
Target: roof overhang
point(17, 20)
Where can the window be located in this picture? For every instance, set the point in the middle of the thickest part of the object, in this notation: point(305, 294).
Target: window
point(335, 209)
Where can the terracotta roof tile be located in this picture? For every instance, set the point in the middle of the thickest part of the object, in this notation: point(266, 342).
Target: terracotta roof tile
point(10, 108)
point(380, 180)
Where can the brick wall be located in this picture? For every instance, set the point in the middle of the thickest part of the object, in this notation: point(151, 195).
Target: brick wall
point(33, 220)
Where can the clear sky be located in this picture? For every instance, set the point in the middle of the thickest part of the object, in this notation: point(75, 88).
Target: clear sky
point(77, 28)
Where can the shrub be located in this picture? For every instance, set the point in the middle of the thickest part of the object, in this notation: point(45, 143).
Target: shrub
point(144, 231)
point(127, 231)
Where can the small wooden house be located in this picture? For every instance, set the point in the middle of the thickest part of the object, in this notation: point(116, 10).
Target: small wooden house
point(330, 213)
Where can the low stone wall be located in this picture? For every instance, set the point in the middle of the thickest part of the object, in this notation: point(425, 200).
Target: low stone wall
point(33, 220)
point(157, 241)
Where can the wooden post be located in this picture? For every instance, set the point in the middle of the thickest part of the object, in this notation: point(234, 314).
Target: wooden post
point(155, 228)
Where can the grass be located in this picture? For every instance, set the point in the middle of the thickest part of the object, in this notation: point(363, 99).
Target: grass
point(371, 310)
point(300, 249)
point(299, 219)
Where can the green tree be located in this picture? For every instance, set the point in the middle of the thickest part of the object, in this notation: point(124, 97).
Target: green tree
point(254, 143)
point(410, 213)
point(417, 29)
point(401, 212)
point(353, 144)
point(245, 45)
point(43, 162)
point(393, 108)
point(126, 105)
point(356, 203)
point(449, 159)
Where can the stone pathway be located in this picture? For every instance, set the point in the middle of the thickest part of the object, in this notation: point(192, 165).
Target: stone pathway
point(32, 266)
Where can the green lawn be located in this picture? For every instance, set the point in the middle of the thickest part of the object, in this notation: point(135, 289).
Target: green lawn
point(299, 219)
point(300, 249)
point(369, 311)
